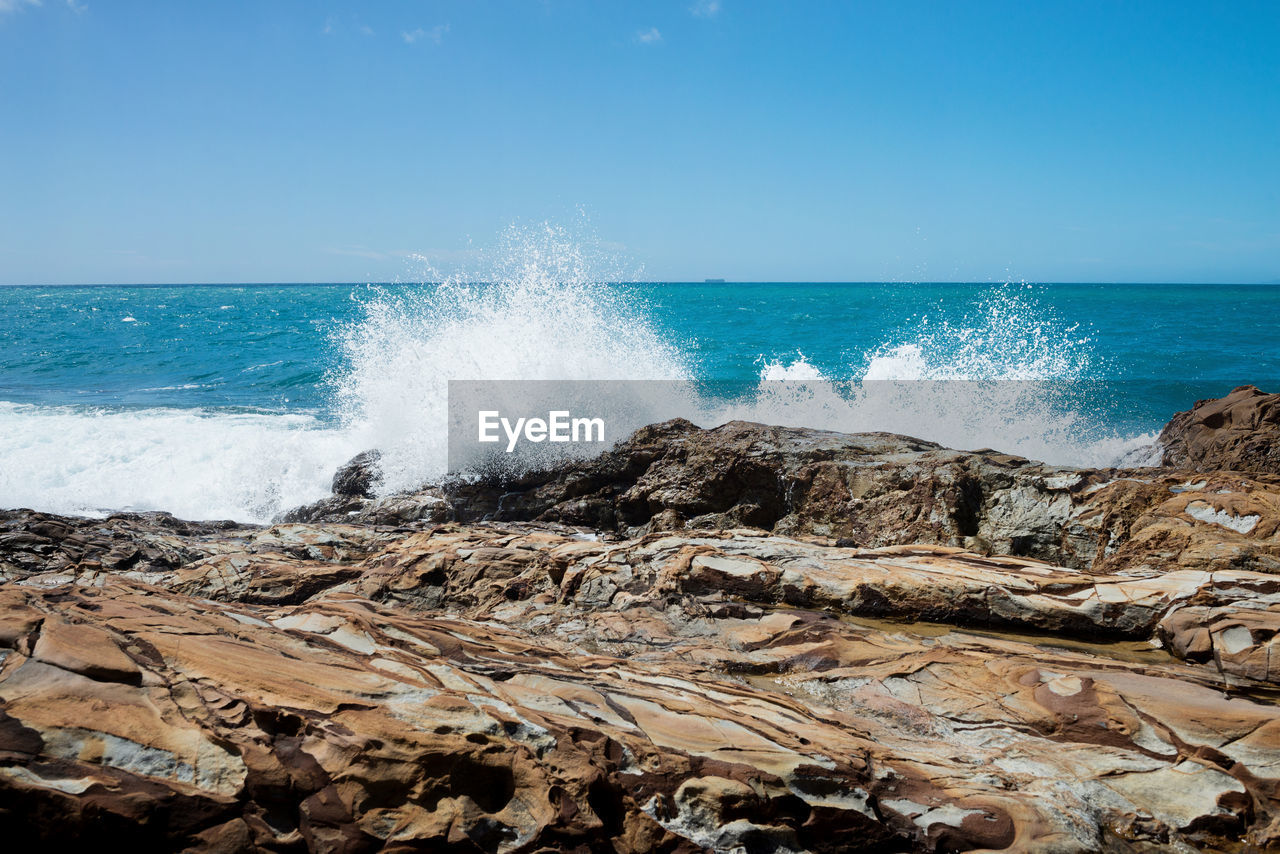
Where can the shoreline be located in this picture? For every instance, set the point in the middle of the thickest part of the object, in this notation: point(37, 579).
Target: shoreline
point(747, 636)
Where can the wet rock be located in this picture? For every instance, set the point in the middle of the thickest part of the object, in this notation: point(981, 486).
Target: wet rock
point(872, 490)
point(360, 476)
point(1239, 432)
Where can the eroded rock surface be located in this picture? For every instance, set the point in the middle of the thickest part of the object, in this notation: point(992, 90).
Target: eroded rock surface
point(1239, 432)
point(743, 639)
point(871, 490)
point(520, 688)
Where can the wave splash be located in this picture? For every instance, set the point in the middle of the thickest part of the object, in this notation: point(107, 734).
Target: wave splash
point(1009, 375)
point(544, 312)
point(997, 377)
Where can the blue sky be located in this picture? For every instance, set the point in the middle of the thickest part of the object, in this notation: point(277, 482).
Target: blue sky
point(312, 141)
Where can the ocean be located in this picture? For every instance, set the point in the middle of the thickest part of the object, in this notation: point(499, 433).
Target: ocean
point(239, 401)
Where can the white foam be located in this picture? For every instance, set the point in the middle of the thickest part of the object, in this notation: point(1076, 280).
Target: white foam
point(542, 316)
point(984, 381)
point(994, 379)
point(194, 464)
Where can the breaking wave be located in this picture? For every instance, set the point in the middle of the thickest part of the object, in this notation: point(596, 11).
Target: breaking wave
point(538, 308)
point(541, 313)
point(999, 378)
point(1009, 375)
point(193, 463)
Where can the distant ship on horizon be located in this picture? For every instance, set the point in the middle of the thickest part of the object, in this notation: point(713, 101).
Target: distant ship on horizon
point(713, 281)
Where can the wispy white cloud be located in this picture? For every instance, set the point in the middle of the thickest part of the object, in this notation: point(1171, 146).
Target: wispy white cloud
point(649, 36)
point(78, 8)
point(333, 25)
point(359, 250)
point(435, 35)
point(705, 8)
point(7, 6)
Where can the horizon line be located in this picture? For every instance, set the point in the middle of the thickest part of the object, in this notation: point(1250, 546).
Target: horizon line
point(336, 283)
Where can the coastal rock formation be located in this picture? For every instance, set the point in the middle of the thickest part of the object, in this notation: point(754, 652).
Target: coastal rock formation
point(1239, 432)
point(871, 490)
point(514, 688)
point(147, 545)
point(750, 638)
point(360, 476)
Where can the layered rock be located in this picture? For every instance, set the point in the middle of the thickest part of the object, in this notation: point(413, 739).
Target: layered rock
point(1239, 432)
point(872, 489)
point(742, 639)
point(147, 545)
point(514, 688)
point(360, 476)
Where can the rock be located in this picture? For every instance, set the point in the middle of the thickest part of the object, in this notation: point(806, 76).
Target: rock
point(83, 649)
point(872, 490)
point(137, 543)
point(747, 638)
point(1239, 432)
point(410, 509)
point(514, 688)
point(481, 572)
point(360, 476)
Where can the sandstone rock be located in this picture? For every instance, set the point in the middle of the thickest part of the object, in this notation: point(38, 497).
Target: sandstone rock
point(509, 688)
point(1239, 432)
point(32, 543)
point(496, 573)
point(83, 649)
point(749, 638)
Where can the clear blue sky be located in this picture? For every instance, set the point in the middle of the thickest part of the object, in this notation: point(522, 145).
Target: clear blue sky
point(313, 141)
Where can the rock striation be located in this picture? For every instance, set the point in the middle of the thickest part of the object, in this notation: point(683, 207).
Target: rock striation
point(1239, 432)
point(871, 490)
point(743, 639)
point(505, 687)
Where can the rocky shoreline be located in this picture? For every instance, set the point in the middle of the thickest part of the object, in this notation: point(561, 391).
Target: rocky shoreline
point(747, 638)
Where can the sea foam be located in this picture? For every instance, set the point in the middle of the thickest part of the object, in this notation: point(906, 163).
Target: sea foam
point(192, 463)
point(996, 378)
point(993, 378)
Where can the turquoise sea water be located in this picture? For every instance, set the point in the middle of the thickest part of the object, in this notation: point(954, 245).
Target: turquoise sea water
point(238, 401)
point(271, 347)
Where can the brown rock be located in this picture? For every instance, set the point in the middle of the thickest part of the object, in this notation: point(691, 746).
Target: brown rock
point(875, 490)
point(748, 638)
point(648, 694)
point(1239, 432)
point(83, 649)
